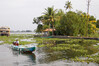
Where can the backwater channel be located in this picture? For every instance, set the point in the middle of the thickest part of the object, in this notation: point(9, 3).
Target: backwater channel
point(42, 56)
point(8, 57)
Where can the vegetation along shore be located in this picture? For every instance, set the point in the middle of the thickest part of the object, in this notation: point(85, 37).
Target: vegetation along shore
point(80, 50)
point(68, 24)
point(56, 23)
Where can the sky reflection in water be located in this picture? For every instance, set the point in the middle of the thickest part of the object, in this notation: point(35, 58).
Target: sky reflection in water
point(40, 57)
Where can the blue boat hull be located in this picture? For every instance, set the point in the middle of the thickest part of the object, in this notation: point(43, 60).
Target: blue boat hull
point(31, 49)
point(25, 49)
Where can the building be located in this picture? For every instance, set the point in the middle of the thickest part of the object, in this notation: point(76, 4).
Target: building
point(4, 31)
point(48, 30)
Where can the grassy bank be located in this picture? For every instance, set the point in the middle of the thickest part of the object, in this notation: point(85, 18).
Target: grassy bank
point(13, 37)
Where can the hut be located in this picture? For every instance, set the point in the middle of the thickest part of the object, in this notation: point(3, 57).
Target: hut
point(48, 30)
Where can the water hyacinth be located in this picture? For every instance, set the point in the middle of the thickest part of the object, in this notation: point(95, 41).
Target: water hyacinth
point(71, 48)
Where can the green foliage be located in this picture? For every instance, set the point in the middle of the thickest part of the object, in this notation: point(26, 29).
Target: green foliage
point(97, 24)
point(47, 19)
point(68, 5)
point(39, 28)
point(45, 27)
point(73, 49)
point(92, 18)
point(72, 24)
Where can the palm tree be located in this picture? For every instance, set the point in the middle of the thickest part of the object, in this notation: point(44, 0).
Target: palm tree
point(68, 5)
point(50, 14)
point(59, 14)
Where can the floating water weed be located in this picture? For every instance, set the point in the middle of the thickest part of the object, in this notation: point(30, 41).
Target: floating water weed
point(72, 48)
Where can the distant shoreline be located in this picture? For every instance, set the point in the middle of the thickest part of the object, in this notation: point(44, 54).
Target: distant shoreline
point(22, 32)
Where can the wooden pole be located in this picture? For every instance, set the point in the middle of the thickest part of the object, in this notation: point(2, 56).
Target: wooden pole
point(88, 4)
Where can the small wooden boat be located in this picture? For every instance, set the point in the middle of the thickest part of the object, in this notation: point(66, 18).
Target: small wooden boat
point(23, 48)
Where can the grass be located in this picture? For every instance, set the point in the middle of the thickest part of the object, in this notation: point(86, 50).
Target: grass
point(94, 35)
point(13, 37)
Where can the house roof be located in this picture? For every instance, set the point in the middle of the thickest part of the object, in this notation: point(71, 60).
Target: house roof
point(4, 27)
point(49, 30)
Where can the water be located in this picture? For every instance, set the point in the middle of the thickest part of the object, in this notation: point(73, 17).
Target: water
point(1, 41)
point(8, 57)
point(22, 33)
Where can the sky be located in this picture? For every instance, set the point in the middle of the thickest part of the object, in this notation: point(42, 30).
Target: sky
point(19, 14)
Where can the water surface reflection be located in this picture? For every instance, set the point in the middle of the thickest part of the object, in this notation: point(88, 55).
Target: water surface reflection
point(41, 57)
point(8, 57)
point(47, 57)
point(24, 59)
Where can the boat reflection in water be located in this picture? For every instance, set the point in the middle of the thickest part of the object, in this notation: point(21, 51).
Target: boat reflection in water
point(23, 59)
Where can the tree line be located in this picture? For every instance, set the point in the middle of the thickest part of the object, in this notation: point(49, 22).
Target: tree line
point(66, 23)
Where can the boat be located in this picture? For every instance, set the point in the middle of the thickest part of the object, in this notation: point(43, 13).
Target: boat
point(23, 48)
point(47, 37)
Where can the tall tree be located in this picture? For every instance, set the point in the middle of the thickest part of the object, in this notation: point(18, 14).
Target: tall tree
point(68, 5)
point(72, 24)
point(50, 14)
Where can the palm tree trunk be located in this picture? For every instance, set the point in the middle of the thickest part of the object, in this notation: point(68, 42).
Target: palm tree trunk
point(53, 29)
point(48, 30)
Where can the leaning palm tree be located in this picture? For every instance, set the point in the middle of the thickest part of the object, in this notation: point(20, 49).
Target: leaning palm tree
point(68, 5)
point(50, 13)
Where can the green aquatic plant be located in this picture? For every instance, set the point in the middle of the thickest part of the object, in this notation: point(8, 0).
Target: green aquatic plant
point(71, 48)
point(13, 37)
point(88, 58)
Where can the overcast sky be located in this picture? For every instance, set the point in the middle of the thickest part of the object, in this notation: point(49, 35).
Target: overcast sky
point(19, 14)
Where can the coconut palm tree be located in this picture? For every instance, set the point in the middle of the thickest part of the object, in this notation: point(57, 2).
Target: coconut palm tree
point(68, 5)
point(50, 14)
